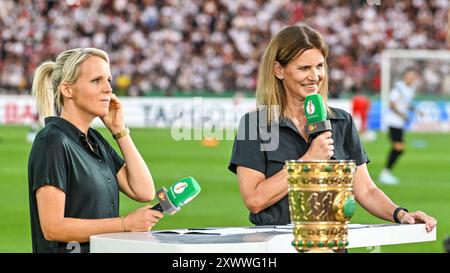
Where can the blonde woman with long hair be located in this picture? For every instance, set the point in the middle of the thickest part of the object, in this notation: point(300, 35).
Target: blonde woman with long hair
point(74, 174)
point(294, 66)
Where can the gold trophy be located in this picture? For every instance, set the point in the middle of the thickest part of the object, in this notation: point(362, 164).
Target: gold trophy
point(321, 203)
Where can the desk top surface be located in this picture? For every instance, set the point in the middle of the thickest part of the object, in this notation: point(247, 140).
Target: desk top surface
point(235, 237)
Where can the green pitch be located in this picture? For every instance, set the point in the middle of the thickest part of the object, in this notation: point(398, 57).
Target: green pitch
point(423, 170)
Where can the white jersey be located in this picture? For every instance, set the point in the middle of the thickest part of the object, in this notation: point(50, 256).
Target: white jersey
point(402, 96)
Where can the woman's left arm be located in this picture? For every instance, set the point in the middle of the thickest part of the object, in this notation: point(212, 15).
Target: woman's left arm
point(134, 177)
point(380, 205)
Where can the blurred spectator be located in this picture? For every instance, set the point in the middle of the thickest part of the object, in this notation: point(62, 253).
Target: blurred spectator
point(211, 45)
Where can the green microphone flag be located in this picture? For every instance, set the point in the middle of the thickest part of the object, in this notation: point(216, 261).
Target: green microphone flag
point(183, 191)
point(316, 116)
point(179, 194)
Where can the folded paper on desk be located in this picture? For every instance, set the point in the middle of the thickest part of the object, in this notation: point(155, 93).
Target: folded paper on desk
point(225, 231)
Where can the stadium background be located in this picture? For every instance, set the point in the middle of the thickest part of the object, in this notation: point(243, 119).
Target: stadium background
point(212, 49)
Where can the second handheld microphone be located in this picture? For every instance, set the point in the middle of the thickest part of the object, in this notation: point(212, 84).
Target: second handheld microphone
point(179, 194)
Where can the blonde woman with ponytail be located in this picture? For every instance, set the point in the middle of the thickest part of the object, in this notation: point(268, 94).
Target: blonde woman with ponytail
point(294, 66)
point(74, 174)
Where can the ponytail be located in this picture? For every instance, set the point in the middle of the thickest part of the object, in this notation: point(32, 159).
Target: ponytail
point(43, 90)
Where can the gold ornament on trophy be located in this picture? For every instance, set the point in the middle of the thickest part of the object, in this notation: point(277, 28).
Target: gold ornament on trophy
point(321, 203)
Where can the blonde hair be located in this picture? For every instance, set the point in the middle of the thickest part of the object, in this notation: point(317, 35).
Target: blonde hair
point(286, 46)
point(49, 75)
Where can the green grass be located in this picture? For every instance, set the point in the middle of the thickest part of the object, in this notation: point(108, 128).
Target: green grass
point(424, 174)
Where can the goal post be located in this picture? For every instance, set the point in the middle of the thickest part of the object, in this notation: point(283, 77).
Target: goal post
point(432, 105)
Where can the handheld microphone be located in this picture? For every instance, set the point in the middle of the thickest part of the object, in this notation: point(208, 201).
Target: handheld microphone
point(316, 116)
point(179, 194)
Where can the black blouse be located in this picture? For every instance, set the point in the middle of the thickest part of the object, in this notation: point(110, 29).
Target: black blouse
point(61, 157)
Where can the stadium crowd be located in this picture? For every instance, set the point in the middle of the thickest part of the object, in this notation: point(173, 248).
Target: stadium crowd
point(210, 45)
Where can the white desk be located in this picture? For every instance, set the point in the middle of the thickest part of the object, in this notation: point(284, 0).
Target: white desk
point(249, 239)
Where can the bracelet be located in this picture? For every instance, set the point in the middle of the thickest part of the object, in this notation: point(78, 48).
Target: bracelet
point(395, 214)
point(122, 133)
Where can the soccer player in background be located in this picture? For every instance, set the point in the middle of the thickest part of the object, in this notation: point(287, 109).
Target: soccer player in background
point(400, 103)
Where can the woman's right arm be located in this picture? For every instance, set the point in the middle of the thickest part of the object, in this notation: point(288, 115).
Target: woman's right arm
point(259, 192)
point(56, 227)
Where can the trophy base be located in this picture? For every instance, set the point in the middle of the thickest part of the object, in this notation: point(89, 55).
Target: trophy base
point(319, 250)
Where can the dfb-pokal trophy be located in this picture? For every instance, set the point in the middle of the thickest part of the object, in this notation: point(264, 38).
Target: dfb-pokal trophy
point(321, 203)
